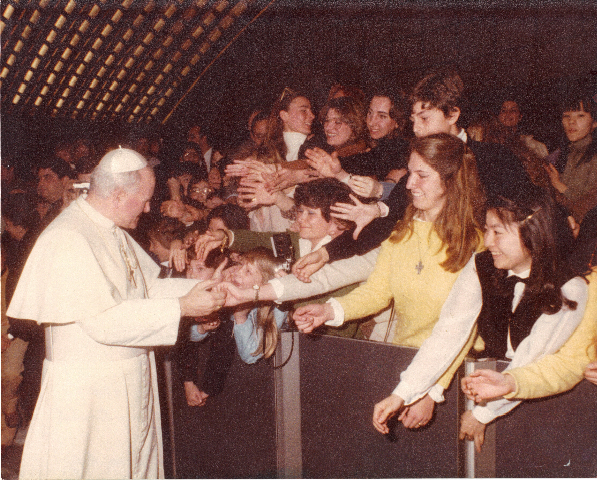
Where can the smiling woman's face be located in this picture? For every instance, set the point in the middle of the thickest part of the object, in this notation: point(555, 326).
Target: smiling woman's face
point(426, 187)
point(337, 131)
point(379, 121)
point(298, 117)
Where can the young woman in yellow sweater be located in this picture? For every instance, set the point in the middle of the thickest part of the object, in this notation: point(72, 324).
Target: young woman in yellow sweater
point(421, 260)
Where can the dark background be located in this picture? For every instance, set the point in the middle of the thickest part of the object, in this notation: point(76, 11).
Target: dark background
point(536, 51)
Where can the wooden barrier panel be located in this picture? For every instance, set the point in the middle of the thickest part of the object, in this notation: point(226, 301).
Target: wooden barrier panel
point(550, 437)
point(312, 419)
point(341, 380)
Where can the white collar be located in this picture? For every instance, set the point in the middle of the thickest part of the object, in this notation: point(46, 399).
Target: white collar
point(305, 245)
point(95, 216)
point(293, 141)
point(523, 274)
point(462, 135)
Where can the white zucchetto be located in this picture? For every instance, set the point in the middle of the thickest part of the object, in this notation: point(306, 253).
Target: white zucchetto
point(122, 160)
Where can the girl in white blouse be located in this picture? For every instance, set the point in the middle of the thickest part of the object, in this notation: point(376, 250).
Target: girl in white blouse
point(546, 305)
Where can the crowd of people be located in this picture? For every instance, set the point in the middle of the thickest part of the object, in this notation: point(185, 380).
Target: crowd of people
point(406, 228)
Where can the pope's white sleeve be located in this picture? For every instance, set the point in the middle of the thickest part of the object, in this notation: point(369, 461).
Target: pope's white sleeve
point(457, 318)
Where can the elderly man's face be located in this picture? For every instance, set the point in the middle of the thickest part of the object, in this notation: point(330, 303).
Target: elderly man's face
point(133, 204)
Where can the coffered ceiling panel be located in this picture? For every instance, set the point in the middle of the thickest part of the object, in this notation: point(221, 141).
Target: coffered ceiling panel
point(107, 59)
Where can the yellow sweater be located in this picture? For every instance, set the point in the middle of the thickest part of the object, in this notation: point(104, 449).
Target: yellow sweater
point(418, 297)
point(562, 370)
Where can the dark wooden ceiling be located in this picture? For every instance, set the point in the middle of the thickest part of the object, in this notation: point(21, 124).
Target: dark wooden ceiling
point(179, 61)
point(99, 59)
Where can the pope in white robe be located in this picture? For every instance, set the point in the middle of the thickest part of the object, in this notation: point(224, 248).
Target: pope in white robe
point(98, 296)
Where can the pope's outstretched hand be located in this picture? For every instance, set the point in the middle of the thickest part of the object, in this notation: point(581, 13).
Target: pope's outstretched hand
point(201, 301)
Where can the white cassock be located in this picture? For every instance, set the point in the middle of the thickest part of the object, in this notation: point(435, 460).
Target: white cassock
point(97, 293)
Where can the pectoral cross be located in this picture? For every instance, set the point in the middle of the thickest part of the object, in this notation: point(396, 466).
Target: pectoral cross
point(419, 267)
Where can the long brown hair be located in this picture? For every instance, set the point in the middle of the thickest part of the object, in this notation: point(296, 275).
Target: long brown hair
point(457, 224)
point(274, 141)
point(267, 264)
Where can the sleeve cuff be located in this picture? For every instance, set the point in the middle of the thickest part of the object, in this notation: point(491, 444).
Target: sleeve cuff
point(387, 189)
point(483, 414)
point(338, 313)
point(515, 392)
point(383, 209)
point(196, 336)
point(278, 287)
point(437, 393)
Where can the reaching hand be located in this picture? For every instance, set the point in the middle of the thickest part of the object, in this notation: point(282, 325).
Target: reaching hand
point(486, 384)
point(208, 241)
point(366, 187)
point(178, 256)
point(285, 178)
point(327, 165)
point(173, 208)
point(309, 264)
point(360, 213)
point(385, 410)
point(554, 178)
point(591, 372)
point(235, 296)
point(254, 194)
point(309, 317)
point(472, 429)
point(418, 414)
point(200, 302)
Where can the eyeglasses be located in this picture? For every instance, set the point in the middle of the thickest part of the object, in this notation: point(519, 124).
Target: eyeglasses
point(206, 190)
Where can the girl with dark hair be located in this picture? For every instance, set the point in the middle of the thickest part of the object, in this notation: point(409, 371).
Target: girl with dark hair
point(523, 299)
point(573, 173)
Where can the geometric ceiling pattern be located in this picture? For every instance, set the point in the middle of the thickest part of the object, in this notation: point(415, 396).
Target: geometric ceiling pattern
point(130, 60)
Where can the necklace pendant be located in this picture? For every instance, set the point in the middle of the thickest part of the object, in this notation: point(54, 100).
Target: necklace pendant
point(418, 267)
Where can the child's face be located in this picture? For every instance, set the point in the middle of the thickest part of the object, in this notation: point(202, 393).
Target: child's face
point(247, 276)
point(197, 270)
point(505, 245)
